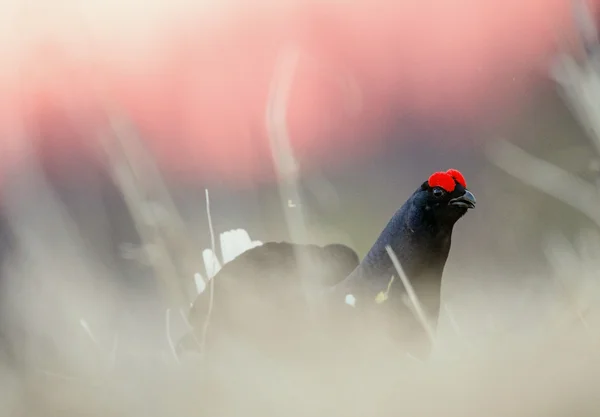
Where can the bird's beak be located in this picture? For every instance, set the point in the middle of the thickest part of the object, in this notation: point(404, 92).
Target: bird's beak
point(467, 200)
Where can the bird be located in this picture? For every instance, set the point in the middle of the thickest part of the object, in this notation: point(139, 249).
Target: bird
point(264, 282)
point(273, 288)
point(420, 235)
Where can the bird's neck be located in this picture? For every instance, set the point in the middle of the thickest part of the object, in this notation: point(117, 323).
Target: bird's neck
point(419, 245)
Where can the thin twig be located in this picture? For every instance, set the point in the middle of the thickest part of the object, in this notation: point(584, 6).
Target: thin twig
point(419, 313)
point(212, 280)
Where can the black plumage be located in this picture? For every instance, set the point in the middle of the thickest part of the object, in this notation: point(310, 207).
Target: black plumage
point(264, 287)
point(270, 288)
point(420, 234)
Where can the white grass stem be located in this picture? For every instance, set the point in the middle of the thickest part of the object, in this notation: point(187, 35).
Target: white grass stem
point(417, 309)
point(168, 333)
point(212, 281)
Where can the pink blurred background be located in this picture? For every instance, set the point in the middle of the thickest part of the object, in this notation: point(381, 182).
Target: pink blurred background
point(195, 78)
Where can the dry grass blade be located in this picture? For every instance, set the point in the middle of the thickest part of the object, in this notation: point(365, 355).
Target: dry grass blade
point(154, 211)
point(562, 257)
point(417, 309)
point(285, 163)
point(559, 184)
point(127, 175)
point(168, 334)
point(546, 177)
point(212, 280)
point(579, 79)
point(584, 21)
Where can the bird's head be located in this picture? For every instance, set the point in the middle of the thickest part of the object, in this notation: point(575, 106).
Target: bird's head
point(444, 197)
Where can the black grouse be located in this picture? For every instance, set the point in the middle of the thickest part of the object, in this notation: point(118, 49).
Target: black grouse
point(258, 291)
point(420, 235)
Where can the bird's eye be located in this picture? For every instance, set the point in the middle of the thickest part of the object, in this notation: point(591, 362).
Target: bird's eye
point(438, 192)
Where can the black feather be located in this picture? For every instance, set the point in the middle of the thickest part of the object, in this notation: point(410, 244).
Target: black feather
point(265, 285)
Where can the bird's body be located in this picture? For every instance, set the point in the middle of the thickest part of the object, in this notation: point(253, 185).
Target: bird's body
point(263, 291)
point(420, 235)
